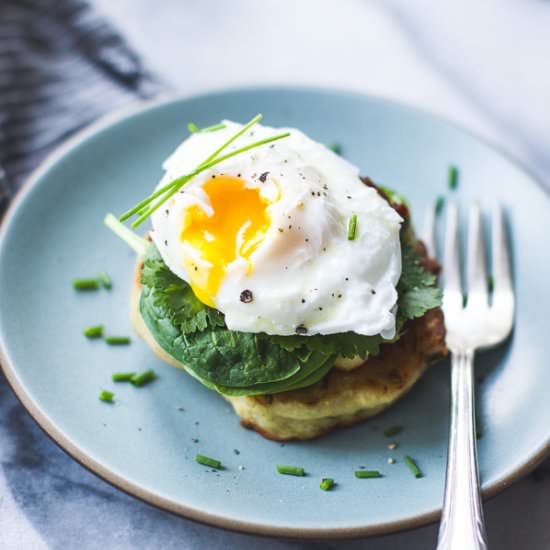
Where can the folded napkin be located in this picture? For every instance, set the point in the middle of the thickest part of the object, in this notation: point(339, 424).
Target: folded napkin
point(61, 66)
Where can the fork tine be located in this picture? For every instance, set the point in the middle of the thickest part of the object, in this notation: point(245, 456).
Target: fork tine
point(477, 273)
point(501, 257)
point(428, 233)
point(452, 289)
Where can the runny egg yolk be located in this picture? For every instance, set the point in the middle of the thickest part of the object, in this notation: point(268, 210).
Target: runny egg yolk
point(235, 229)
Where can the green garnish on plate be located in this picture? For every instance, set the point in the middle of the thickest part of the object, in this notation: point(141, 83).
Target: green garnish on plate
point(367, 474)
point(86, 284)
point(327, 484)
point(290, 470)
point(93, 332)
point(207, 461)
point(413, 467)
point(106, 396)
point(453, 177)
point(117, 340)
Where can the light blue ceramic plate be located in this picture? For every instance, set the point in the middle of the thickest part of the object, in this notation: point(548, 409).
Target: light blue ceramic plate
point(143, 444)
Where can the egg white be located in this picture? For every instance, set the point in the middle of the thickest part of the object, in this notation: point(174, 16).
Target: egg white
point(305, 274)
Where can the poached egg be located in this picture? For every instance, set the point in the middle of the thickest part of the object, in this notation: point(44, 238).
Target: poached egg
point(263, 236)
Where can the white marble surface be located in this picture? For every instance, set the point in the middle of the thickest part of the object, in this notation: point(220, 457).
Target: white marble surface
point(483, 65)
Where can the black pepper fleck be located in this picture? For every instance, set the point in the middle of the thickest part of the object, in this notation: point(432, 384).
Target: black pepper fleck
point(246, 296)
point(301, 329)
point(373, 291)
point(263, 177)
point(165, 243)
point(303, 301)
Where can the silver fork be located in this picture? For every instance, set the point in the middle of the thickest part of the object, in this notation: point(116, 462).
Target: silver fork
point(474, 326)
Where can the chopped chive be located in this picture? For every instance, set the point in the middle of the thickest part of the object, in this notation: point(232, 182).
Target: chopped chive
point(453, 177)
point(193, 128)
point(117, 340)
point(143, 378)
point(140, 209)
point(93, 332)
point(290, 470)
point(86, 284)
point(105, 280)
point(135, 242)
point(107, 396)
point(335, 148)
point(123, 376)
point(364, 474)
point(464, 300)
point(207, 461)
point(393, 430)
point(327, 483)
point(352, 227)
point(173, 187)
point(416, 472)
point(490, 283)
point(439, 203)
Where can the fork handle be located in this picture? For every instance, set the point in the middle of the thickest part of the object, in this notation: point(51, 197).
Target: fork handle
point(462, 524)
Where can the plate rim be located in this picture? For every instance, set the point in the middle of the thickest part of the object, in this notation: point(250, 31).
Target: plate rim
point(64, 442)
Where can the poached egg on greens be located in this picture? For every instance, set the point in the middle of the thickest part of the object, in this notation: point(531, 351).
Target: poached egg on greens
point(264, 237)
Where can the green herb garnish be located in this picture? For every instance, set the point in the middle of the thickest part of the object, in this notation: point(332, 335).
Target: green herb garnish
point(393, 430)
point(290, 470)
point(86, 284)
point(327, 483)
point(490, 283)
point(352, 227)
point(146, 207)
point(207, 461)
point(135, 242)
point(105, 280)
point(439, 203)
point(193, 128)
point(106, 396)
point(416, 472)
point(367, 474)
point(335, 148)
point(117, 340)
point(93, 332)
point(123, 376)
point(143, 378)
point(453, 177)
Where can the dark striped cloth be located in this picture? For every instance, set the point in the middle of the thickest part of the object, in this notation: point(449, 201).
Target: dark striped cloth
point(61, 66)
